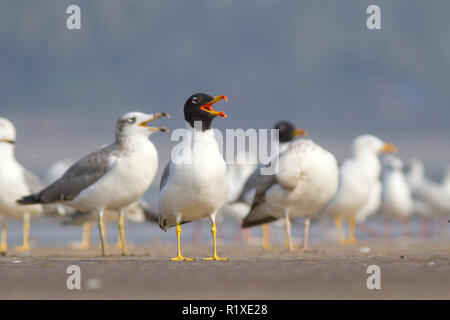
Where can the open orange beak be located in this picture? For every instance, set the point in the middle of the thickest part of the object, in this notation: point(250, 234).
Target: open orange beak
point(388, 148)
point(299, 133)
point(208, 106)
point(155, 116)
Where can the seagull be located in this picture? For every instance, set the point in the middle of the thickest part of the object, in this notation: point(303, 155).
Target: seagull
point(15, 182)
point(359, 174)
point(430, 198)
point(306, 181)
point(427, 191)
point(239, 207)
point(397, 202)
point(194, 182)
point(111, 178)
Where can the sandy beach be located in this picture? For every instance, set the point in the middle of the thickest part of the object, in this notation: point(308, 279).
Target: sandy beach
point(408, 271)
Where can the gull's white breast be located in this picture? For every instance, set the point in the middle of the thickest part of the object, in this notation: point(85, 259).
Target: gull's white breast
point(197, 184)
point(13, 187)
point(357, 178)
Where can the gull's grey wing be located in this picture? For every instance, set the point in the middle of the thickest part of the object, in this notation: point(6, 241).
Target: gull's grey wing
point(259, 213)
point(78, 177)
point(165, 176)
point(32, 181)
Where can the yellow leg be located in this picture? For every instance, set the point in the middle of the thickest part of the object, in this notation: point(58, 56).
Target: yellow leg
point(25, 247)
point(179, 257)
point(101, 229)
point(339, 231)
point(265, 236)
point(121, 240)
point(351, 231)
point(86, 240)
point(214, 256)
point(3, 245)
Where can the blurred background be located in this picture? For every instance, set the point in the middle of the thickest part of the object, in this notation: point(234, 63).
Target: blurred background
point(313, 62)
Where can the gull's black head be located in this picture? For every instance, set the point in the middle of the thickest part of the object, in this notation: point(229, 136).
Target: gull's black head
point(198, 107)
point(287, 131)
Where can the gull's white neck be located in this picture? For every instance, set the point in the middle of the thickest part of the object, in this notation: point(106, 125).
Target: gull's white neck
point(369, 161)
point(197, 137)
point(132, 140)
point(7, 152)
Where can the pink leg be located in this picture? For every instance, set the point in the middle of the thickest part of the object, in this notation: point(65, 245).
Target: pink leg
point(305, 234)
point(405, 228)
point(245, 234)
point(237, 233)
point(424, 228)
point(368, 229)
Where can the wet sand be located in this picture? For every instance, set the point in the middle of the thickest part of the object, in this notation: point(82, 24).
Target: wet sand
point(328, 271)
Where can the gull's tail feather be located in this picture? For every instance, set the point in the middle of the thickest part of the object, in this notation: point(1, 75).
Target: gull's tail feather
point(31, 199)
point(257, 216)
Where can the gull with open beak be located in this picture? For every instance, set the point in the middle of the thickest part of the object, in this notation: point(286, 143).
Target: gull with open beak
point(359, 181)
point(194, 182)
point(111, 178)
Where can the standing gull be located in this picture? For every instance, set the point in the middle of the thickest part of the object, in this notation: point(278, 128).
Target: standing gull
point(430, 198)
point(15, 182)
point(241, 205)
point(358, 176)
point(194, 182)
point(306, 181)
point(427, 191)
point(111, 178)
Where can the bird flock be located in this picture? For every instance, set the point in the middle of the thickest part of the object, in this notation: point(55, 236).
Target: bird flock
point(108, 184)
